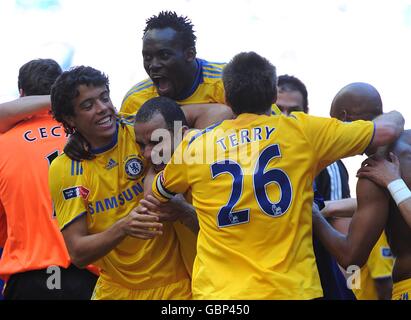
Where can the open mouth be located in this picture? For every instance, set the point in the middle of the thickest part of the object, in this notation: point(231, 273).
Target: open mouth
point(105, 122)
point(162, 84)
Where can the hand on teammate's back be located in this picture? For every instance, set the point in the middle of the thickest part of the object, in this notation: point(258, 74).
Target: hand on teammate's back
point(380, 170)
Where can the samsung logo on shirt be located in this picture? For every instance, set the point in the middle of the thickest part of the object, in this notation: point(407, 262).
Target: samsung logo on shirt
point(115, 201)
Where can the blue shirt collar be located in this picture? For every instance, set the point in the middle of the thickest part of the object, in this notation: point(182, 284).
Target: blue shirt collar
point(197, 80)
point(110, 145)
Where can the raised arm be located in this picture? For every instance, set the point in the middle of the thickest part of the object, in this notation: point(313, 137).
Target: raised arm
point(388, 128)
point(366, 226)
point(14, 111)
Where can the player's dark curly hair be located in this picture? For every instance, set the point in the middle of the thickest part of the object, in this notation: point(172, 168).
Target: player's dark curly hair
point(292, 83)
point(168, 108)
point(250, 83)
point(65, 90)
point(37, 76)
point(170, 19)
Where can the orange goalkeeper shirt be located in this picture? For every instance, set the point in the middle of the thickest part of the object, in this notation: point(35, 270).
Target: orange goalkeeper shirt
point(33, 240)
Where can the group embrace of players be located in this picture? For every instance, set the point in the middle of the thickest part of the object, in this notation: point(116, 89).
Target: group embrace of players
point(209, 183)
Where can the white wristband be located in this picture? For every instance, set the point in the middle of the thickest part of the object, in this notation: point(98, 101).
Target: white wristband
point(399, 191)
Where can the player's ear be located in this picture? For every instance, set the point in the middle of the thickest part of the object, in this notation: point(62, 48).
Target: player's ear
point(190, 54)
point(69, 120)
point(21, 93)
point(337, 114)
point(343, 115)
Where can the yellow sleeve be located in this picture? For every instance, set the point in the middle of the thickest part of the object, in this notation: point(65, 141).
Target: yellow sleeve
point(136, 96)
point(380, 262)
point(174, 178)
point(220, 94)
point(333, 139)
point(67, 190)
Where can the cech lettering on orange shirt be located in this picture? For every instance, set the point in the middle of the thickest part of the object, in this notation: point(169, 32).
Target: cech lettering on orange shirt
point(43, 133)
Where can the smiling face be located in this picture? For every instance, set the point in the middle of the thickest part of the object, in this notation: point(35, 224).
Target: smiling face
point(168, 64)
point(94, 115)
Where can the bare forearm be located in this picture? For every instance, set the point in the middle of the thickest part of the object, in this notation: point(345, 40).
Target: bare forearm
point(14, 111)
point(365, 228)
point(88, 249)
point(335, 242)
point(191, 222)
point(214, 115)
point(189, 217)
point(200, 116)
point(343, 208)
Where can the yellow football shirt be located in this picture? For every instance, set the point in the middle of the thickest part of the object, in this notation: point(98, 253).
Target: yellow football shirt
point(207, 88)
point(187, 238)
point(379, 265)
point(251, 183)
point(106, 189)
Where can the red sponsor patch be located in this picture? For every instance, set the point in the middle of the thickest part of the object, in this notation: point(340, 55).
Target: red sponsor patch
point(84, 192)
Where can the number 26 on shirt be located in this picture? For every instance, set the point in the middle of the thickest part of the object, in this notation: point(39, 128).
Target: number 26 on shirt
point(227, 216)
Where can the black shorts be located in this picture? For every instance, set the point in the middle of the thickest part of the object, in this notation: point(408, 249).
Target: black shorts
point(53, 283)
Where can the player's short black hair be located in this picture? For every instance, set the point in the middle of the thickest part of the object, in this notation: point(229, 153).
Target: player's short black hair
point(37, 76)
point(168, 108)
point(181, 24)
point(292, 83)
point(65, 90)
point(250, 83)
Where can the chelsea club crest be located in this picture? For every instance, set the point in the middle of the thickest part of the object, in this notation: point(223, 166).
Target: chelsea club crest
point(134, 167)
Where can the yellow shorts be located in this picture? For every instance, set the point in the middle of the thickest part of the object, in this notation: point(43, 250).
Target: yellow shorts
point(105, 290)
point(401, 290)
